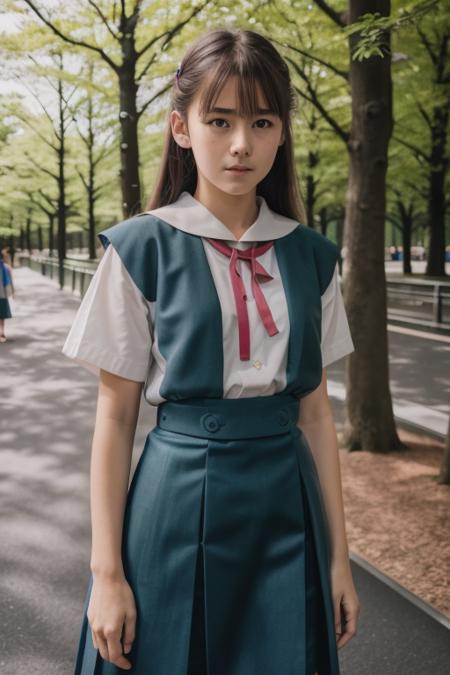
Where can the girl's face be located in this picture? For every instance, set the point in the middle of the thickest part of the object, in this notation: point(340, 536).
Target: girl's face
point(224, 139)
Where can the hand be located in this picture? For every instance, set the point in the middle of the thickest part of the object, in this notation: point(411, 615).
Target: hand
point(111, 611)
point(345, 602)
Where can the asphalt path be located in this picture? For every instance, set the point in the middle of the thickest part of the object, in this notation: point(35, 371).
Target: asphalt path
point(46, 425)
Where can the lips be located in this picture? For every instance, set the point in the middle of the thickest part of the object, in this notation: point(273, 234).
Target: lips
point(238, 168)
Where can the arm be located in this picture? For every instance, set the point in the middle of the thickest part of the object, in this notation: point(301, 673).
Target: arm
point(317, 423)
point(112, 610)
point(117, 412)
point(10, 276)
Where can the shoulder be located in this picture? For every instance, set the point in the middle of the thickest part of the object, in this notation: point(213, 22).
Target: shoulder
point(135, 241)
point(137, 230)
point(325, 252)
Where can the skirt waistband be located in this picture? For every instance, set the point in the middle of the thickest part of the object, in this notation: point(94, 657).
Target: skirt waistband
point(249, 417)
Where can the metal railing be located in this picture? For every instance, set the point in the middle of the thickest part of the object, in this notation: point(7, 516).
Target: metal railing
point(419, 301)
point(74, 274)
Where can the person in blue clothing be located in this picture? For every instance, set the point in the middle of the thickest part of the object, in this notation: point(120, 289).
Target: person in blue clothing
point(226, 552)
point(6, 287)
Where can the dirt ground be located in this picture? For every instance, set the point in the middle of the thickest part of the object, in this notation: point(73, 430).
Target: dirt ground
point(398, 516)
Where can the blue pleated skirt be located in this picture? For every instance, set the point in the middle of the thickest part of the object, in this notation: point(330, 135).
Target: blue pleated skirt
point(225, 546)
point(5, 309)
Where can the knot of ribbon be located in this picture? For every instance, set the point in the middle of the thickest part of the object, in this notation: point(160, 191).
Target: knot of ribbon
point(257, 270)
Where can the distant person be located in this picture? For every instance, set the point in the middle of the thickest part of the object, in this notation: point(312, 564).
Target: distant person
point(7, 256)
point(6, 287)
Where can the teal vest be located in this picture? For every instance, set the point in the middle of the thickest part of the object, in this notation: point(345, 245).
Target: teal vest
point(170, 268)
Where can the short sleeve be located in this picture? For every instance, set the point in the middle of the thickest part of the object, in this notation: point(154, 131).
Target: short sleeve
point(112, 327)
point(336, 339)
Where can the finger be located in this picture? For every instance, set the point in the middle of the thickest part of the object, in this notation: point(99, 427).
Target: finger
point(337, 615)
point(115, 651)
point(101, 645)
point(129, 631)
point(94, 640)
point(349, 631)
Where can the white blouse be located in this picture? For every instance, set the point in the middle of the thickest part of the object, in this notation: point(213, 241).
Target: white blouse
point(114, 328)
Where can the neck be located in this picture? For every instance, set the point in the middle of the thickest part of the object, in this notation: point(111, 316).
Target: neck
point(236, 212)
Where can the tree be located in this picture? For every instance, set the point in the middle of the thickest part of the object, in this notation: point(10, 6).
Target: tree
point(433, 35)
point(130, 72)
point(96, 150)
point(444, 474)
point(57, 145)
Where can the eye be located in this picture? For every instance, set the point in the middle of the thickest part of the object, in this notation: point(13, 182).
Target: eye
point(220, 119)
point(217, 119)
point(264, 120)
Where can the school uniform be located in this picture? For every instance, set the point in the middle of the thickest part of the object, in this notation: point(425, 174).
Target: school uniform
point(5, 281)
point(226, 544)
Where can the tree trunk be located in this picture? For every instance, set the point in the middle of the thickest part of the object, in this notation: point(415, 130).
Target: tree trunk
point(129, 147)
point(12, 248)
point(323, 219)
point(444, 474)
point(406, 219)
point(340, 231)
point(370, 424)
point(436, 197)
point(51, 235)
point(28, 233)
point(91, 181)
point(61, 184)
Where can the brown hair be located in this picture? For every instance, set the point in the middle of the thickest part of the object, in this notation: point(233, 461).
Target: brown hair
point(217, 55)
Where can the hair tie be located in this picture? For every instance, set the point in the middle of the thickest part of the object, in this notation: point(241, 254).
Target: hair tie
point(179, 71)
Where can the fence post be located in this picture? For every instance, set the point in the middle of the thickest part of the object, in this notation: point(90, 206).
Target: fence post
point(437, 303)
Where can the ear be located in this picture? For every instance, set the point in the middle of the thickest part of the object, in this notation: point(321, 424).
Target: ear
point(180, 130)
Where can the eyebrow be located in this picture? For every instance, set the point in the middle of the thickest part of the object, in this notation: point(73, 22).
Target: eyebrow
point(260, 111)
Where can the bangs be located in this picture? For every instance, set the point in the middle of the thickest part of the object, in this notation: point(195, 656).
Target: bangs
point(248, 76)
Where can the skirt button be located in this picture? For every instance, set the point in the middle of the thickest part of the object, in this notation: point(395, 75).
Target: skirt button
point(210, 422)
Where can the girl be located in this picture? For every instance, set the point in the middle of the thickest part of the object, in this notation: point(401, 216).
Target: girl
point(5, 282)
point(228, 554)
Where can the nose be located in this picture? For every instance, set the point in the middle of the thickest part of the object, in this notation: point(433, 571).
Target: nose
point(240, 144)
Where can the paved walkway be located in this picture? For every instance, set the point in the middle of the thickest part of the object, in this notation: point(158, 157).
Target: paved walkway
point(46, 424)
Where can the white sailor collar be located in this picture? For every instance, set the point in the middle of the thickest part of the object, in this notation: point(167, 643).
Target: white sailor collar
point(190, 215)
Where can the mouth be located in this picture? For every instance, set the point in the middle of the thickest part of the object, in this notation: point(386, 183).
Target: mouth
point(239, 169)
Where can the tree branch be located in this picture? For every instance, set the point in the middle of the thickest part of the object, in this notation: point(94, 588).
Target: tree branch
point(149, 63)
point(38, 133)
point(169, 34)
point(103, 18)
point(104, 152)
point(341, 73)
point(31, 198)
point(48, 199)
point(66, 38)
point(41, 168)
point(427, 45)
point(339, 18)
point(424, 114)
point(83, 180)
point(414, 149)
point(313, 98)
point(44, 109)
point(153, 98)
